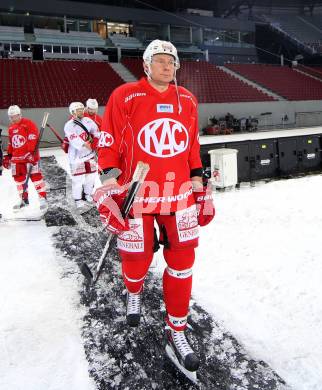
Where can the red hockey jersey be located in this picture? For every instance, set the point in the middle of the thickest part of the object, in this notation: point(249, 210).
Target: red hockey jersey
point(143, 124)
point(23, 137)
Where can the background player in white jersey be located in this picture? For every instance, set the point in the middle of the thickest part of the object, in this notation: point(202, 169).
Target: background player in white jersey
point(155, 121)
point(83, 136)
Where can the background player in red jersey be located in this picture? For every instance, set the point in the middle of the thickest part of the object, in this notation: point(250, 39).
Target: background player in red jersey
point(155, 121)
point(23, 136)
point(91, 110)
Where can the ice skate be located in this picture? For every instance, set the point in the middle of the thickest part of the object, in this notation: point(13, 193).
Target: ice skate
point(178, 344)
point(89, 199)
point(82, 206)
point(21, 204)
point(43, 204)
point(133, 309)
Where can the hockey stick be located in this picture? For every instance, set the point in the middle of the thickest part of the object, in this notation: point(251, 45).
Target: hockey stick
point(55, 132)
point(43, 125)
point(137, 181)
point(81, 125)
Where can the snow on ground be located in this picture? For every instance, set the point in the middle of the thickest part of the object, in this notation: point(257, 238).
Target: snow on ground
point(40, 320)
point(258, 272)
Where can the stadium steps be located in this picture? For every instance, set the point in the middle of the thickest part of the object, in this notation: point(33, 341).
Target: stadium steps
point(123, 72)
point(30, 38)
point(311, 25)
point(308, 74)
point(252, 83)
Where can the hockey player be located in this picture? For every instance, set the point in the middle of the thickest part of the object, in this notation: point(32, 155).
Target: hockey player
point(91, 112)
point(1, 154)
point(83, 135)
point(154, 121)
point(22, 139)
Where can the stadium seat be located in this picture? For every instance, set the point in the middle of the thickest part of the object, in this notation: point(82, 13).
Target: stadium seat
point(55, 83)
point(208, 82)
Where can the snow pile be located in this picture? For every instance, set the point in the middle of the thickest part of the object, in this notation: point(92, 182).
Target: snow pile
point(259, 271)
point(40, 320)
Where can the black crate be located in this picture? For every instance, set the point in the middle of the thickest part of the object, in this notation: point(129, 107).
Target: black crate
point(287, 153)
point(309, 153)
point(263, 159)
point(266, 158)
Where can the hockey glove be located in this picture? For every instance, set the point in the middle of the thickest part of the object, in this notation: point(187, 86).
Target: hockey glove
point(109, 199)
point(6, 161)
point(205, 206)
point(65, 144)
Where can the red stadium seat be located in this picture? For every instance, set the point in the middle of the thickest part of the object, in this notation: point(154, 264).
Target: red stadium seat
point(282, 80)
point(209, 83)
point(55, 83)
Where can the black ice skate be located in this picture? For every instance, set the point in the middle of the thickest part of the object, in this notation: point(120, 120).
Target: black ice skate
point(43, 204)
point(22, 203)
point(133, 309)
point(181, 353)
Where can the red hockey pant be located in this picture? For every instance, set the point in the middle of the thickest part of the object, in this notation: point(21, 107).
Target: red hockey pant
point(136, 251)
point(20, 175)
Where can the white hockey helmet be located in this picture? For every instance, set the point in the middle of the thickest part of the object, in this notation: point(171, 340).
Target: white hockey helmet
point(160, 47)
point(92, 104)
point(14, 110)
point(75, 106)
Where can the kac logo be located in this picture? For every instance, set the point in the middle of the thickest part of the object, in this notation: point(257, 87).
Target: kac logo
point(164, 137)
point(18, 141)
point(83, 136)
point(106, 139)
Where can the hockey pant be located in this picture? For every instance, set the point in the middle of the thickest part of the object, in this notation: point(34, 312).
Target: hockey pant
point(83, 178)
point(19, 174)
point(179, 238)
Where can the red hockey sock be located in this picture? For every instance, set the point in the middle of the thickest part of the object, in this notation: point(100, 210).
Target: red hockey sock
point(177, 283)
point(39, 184)
point(20, 180)
point(134, 272)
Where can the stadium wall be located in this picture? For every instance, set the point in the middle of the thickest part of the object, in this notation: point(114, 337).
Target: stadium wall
point(261, 110)
point(299, 113)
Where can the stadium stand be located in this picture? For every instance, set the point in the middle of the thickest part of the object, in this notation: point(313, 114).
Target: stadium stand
point(55, 83)
point(302, 29)
point(186, 47)
point(125, 42)
point(134, 65)
point(209, 83)
point(316, 71)
point(75, 38)
point(12, 34)
point(315, 22)
point(283, 80)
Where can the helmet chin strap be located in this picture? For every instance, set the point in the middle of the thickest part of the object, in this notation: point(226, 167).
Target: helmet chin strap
point(148, 72)
point(178, 96)
point(149, 76)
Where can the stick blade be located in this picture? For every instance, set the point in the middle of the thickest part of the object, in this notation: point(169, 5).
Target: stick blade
point(87, 273)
